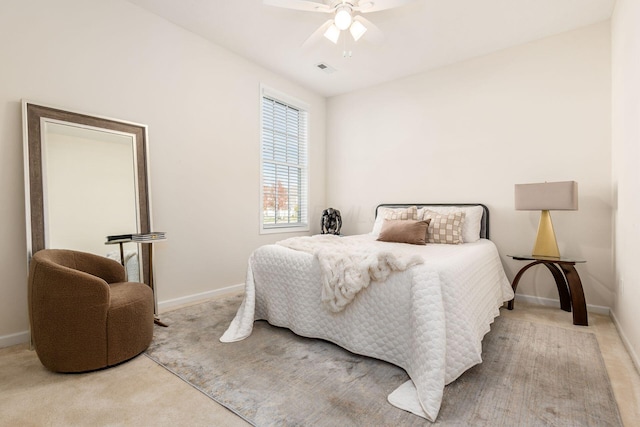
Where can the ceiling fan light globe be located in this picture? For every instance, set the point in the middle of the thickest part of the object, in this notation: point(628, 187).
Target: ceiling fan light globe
point(332, 34)
point(343, 18)
point(357, 30)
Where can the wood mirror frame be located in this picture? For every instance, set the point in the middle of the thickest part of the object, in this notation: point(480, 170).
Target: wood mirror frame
point(33, 117)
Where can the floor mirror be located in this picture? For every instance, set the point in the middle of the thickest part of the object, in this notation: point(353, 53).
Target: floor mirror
point(86, 178)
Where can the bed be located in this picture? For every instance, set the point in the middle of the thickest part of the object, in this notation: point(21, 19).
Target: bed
point(427, 317)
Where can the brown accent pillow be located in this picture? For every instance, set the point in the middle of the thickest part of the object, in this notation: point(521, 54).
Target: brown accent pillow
point(404, 231)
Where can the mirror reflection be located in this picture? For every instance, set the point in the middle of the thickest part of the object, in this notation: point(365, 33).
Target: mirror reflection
point(89, 185)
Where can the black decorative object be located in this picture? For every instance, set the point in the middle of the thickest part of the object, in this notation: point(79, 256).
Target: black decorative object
point(331, 221)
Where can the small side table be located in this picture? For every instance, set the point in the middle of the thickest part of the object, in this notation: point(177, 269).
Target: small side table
point(567, 281)
point(148, 238)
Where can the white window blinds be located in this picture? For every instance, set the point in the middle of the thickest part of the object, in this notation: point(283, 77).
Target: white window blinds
point(284, 165)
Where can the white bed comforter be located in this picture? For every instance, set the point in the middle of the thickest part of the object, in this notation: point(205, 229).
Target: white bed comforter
point(429, 319)
point(347, 266)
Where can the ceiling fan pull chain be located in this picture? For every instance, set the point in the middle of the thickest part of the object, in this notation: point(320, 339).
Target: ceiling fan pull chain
point(346, 52)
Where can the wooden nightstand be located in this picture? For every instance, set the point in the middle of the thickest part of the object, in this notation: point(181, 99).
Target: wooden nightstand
point(567, 281)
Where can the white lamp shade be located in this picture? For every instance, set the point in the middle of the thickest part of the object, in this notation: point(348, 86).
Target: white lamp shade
point(343, 18)
point(547, 196)
point(332, 33)
point(357, 30)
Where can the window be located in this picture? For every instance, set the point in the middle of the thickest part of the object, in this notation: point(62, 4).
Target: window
point(284, 203)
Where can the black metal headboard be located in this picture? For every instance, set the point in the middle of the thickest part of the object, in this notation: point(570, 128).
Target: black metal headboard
point(484, 222)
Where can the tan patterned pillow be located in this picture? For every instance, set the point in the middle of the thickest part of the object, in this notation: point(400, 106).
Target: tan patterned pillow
point(402, 214)
point(444, 228)
point(404, 231)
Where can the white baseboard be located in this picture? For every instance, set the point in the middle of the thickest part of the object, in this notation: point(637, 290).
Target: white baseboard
point(556, 303)
point(194, 298)
point(626, 342)
point(14, 339)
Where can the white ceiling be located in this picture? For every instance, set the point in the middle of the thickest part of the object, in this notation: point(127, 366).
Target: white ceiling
point(419, 36)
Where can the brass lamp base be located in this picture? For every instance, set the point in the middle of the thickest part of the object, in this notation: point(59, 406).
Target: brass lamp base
point(546, 245)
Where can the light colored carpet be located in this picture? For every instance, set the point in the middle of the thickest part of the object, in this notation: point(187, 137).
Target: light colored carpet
point(532, 375)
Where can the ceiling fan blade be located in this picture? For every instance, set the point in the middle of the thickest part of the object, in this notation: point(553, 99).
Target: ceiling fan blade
point(306, 5)
point(366, 6)
point(373, 34)
point(317, 34)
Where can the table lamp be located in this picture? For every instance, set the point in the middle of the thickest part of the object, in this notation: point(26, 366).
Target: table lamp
point(545, 197)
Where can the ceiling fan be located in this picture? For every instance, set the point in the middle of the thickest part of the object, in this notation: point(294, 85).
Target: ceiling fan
point(345, 16)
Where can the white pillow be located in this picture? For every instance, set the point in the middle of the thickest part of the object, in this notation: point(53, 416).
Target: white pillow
point(472, 219)
point(410, 212)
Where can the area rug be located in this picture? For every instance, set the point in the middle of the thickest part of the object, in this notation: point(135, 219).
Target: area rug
point(531, 375)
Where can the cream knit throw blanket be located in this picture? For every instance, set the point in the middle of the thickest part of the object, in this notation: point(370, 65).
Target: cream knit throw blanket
point(349, 265)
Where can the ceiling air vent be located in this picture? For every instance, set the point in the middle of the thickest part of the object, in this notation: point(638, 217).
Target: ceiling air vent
point(326, 68)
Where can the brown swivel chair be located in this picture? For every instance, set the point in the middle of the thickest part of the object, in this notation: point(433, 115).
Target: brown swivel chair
point(83, 314)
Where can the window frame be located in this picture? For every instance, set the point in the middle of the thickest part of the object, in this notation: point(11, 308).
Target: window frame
point(303, 107)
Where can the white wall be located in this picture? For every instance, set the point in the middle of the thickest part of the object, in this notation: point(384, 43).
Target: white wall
point(470, 131)
point(201, 104)
point(625, 29)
